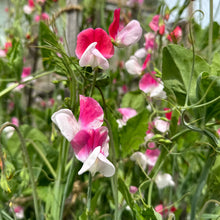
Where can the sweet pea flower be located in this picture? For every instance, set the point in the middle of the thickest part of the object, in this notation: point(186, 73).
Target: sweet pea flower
point(93, 48)
point(9, 130)
point(150, 43)
point(88, 139)
point(152, 156)
point(44, 17)
point(133, 66)
point(28, 9)
point(152, 85)
point(157, 25)
point(164, 180)
point(19, 212)
point(164, 211)
point(176, 35)
point(126, 36)
point(127, 113)
point(133, 189)
point(161, 125)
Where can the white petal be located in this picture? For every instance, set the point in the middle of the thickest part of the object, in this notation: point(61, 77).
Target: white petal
point(66, 122)
point(161, 125)
point(92, 57)
point(141, 53)
point(133, 67)
point(164, 180)
point(90, 161)
point(140, 159)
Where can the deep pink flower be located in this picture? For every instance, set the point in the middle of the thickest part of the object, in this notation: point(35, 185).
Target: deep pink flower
point(168, 114)
point(152, 85)
point(26, 72)
point(45, 16)
point(126, 36)
point(88, 139)
point(150, 43)
point(176, 35)
point(8, 45)
point(133, 189)
point(94, 47)
point(31, 3)
point(157, 25)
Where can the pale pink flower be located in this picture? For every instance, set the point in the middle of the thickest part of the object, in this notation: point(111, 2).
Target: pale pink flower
point(19, 212)
point(152, 85)
point(88, 139)
point(164, 180)
point(126, 36)
point(127, 113)
point(94, 47)
point(133, 189)
point(27, 9)
point(161, 125)
point(2, 53)
point(37, 18)
point(176, 35)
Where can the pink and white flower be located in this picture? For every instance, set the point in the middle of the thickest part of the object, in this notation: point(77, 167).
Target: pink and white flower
point(127, 113)
point(150, 41)
point(157, 25)
point(164, 180)
point(19, 212)
point(28, 9)
point(94, 47)
point(161, 125)
point(152, 85)
point(88, 139)
point(124, 37)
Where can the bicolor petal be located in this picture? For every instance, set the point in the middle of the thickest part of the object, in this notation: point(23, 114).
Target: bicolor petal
point(127, 113)
point(66, 122)
point(92, 57)
point(114, 26)
point(91, 113)
point(133, 67)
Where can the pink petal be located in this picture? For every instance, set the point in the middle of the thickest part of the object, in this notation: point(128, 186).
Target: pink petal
point(147, 60)
point(114, 26)
point(127, 113)
point(148, 83)
point(91, 113)
point(89, 36)
point(81, 146)
point(161, 125)
point(150, 42)
point(130, 34)
point(154, 24)
point(92, 57)
point(133, 189)
point(152, 156)
point(26, 72)
point(66, 122)
point(133, 67)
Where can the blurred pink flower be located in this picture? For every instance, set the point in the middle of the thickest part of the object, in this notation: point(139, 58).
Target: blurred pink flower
point(133, 189)
point(161, 125)
point(127, 113)
point(19, 212)
point(152, 85)
point(150, 41)
point(152, 156)
point(157, 24)
point(94, 47)
point(88, 139)
point(2, 53)
point(26, 72)
point(126, 36)
point(176, 35)
point(164, 211)
point(44, 17)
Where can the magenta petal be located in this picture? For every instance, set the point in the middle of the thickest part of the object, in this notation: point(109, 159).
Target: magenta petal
point(91, 113)
point(147, 60)
point(81, 145)
point(104, 44)
point(114, 26)
point(84, 39)
point(148, 83)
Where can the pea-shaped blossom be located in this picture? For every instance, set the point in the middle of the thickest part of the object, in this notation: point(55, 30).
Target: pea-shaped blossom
point(152, 85)
point(126, 36)
point(127, 113)
point(94, 47)
point(157, 24)
point(176, 35)
point(88, 139)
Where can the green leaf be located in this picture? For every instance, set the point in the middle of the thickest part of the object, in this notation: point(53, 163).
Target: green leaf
point(176, 68)
point(135, 100)
point(133, 133)
point(125, 192)
point(215, 66)
point(211, 85)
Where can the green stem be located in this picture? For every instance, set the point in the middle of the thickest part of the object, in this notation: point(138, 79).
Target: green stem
point(38, 150)
point(59, 186)
point(210, 30)
point(89, 195)
point(93, 83)
point(28, 164)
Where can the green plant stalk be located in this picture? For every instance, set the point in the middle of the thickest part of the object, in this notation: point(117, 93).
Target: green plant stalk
point(28, 164)
point(89, 195)
point(58, 187)
point(38, 150)
point(93, 83)
point(201, 183)
point(210, 30)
